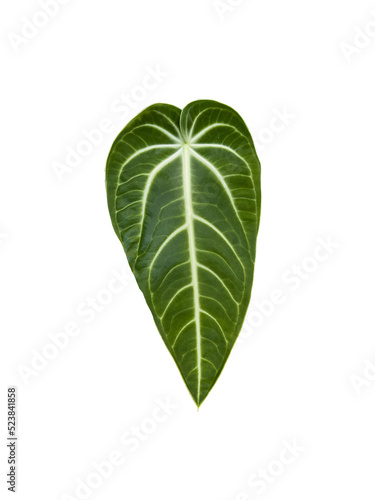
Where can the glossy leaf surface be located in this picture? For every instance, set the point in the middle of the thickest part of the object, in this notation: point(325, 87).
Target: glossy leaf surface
point(184, 198)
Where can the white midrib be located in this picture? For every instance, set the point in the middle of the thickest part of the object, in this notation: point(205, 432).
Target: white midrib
point(192, 251)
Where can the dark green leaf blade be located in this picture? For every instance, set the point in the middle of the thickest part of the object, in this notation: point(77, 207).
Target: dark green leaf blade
point(184, 197)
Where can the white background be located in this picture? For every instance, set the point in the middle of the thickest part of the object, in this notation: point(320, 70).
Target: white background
point(304, 374)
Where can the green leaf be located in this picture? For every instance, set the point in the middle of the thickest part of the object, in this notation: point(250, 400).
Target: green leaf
point(184, 198)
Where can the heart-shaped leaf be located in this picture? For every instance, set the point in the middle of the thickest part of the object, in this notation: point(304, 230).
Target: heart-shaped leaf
point(184, 198)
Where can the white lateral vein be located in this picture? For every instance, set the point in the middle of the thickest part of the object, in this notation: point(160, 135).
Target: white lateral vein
point(210, 127)
point(214, 228)
point(174, 296)
point(165, 242)
point(179, 333)
point(227, 148)
point(150, 180)
point(219, 279)
point(173, 124)
point(161, 129)
point(213, 317)
point(222, 181)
